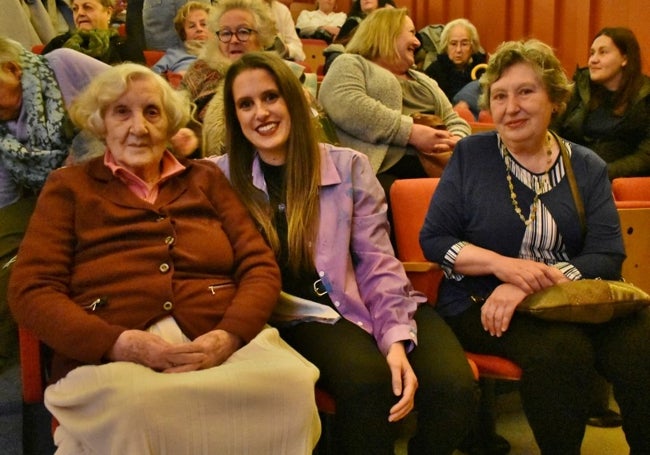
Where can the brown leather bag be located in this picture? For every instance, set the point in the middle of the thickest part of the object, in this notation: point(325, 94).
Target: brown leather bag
point(435, 163)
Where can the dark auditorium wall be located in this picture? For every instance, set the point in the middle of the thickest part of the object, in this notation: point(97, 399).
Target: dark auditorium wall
point(567, 25)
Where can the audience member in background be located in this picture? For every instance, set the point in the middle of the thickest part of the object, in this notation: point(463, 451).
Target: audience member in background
point(502, 224)
point(322, 23)
point(235, 28)
point(158, 21)
point(35, 135)
point(371, 91)
point(153, 267)
point(26, 22)
point(609, 113)
point(459, 52)
point(94, 35)
point(381, 350)
point(35, 132)
point(610, 108)
point(192, 28)
point(358, 11)
point(287, 31)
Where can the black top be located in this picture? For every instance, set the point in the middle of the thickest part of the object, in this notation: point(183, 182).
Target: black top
point(120, 49)
point(303, 284)
point(449, 77)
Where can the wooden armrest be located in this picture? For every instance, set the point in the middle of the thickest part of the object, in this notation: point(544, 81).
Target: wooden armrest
point(420, 266)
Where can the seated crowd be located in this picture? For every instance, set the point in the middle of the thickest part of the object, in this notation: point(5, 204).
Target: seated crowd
point(268, 252)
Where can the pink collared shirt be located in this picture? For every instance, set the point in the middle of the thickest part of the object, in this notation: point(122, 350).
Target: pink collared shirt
point(169, 166)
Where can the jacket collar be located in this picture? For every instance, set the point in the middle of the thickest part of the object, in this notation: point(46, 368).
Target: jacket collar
point(329, 174)
point(116, 191)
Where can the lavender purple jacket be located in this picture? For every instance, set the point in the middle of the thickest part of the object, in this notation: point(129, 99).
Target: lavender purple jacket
point(354, 256)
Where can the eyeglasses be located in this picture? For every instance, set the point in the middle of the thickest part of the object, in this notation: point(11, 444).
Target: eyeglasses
point(243, 34)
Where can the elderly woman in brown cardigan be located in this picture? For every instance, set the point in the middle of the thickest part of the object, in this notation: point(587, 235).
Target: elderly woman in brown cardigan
point(137, 265)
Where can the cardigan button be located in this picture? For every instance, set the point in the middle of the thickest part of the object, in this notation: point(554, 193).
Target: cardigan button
point(160, 218)
point(167, 306)
point(164, 267)
point(169, 240)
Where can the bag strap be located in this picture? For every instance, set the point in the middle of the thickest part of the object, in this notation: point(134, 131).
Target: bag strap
point(568, 169)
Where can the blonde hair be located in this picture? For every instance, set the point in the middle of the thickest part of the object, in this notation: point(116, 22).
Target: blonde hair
point(10, 51)
point(376, 35)
point(302, 181)
point(263, 23)
point(183, 12)
point(89, 108)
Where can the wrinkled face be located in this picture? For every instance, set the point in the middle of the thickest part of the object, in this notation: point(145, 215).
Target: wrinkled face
point(459, 48)
point(406, 44)
point(520, 105)
point(91, 15)
point(262, 112)
point(606, 63)
point(195, 25)
point(137, 128)
point(232, 21)
point(11, 91)
point(368, 6)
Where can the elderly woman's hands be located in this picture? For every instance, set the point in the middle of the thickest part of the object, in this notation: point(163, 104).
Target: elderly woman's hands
point(521, 277)
point(215, 346)
point(429, 140)
point(144, 348)
point(529, 276)
point(499, 307)
point(404, 381)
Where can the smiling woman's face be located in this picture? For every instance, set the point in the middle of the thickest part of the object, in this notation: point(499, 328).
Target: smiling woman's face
point(406, 44)
point(262, 113)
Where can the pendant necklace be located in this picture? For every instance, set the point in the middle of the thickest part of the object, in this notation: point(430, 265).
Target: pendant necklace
point(539, 188)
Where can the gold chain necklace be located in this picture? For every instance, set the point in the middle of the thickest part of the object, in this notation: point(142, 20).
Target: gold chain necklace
point(538, 188)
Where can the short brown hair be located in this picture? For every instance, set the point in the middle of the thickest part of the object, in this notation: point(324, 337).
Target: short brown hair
point(540, 57)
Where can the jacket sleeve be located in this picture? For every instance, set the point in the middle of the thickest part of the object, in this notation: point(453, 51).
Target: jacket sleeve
point(287, 30)
point(382, 281)
point(39, 286)
point(636, 162)
point(441, 105)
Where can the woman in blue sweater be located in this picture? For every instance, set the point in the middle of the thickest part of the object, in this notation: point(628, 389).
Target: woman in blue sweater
point(503, 224)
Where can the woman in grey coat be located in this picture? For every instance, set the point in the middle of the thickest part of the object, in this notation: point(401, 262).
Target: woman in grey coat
point(371, 91)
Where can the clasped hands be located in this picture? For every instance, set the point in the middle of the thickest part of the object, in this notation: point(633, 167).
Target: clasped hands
point(429, 140)
point(206, 351)
point(520, 278)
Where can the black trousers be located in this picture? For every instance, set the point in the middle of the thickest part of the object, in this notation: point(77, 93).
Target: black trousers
point(559, 363)
point(355, 372)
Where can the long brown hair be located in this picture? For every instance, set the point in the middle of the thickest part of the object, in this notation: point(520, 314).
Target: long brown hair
point(302, 174)
point(632, 79)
